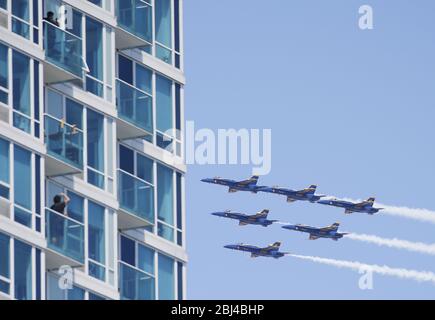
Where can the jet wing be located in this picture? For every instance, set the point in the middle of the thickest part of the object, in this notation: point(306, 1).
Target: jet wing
point(313, 237)
point(242, 223)
point(290, 200)
point(304, 191)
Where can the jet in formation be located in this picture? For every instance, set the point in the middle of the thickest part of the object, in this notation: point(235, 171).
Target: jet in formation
point(271, 251)
point(234, 186)
point(330, 232)
point(259, 218)
point(307, 194)
point(351, 207)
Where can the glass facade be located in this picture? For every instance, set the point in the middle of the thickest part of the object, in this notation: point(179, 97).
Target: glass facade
point(82, 165)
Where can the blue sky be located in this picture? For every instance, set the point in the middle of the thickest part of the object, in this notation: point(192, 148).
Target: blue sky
point(350, 110)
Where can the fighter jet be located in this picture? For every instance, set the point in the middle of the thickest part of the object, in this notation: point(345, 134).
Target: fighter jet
point(350, 207)
point(258, 219)
point(307, 194)
point(234, 186)
point(316, 233)
point(271, 251)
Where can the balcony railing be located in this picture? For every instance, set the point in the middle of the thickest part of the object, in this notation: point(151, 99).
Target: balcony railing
point(135, 284)
point(136, 196)
point(64, 142)
point(134, 106)
point(135, 16)
point(65, 235)
point(63, 49)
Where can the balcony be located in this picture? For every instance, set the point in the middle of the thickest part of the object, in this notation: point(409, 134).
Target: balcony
point(65, 240)
point(135, 113)
point(134, 19)
point(64, 148)
point(63, 55)
point(136, 202)
point(135, 284)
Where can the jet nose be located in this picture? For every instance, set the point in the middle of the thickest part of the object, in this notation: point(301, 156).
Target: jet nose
point(205, 180)
point(290, 227)
point(231, 246)
point(218, 214)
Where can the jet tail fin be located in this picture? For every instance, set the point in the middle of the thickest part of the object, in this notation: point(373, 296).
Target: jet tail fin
point(254, 180)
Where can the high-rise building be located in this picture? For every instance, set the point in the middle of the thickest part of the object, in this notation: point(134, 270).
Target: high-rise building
point(91, 150)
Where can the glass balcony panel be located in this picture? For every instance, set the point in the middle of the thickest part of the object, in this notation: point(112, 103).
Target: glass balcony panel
point(134, 106)
point(135, 284)
point(63, 49)
point(64, 141)
point(136, 196)
point(135, 16)
point(65, 235)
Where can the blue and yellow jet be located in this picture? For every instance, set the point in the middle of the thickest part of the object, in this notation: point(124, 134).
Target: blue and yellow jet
point(330, 232)
point(234, 186)
point(271, 251)
point(350, 207)
point(307, 194)
point(259, 218)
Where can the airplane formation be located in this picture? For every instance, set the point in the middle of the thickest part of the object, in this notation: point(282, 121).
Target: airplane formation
point(261, 218)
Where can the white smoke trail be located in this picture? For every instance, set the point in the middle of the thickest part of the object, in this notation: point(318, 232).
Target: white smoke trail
point(424, 215)
point(394, 243)
point(420, 276)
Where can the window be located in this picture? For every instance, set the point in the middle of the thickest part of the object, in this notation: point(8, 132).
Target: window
point(23, 270)
point(95, 123)
point(4, 83)
point(22, 186)
point(166, 278)
point(136, 269)
point(179, 209)
point(97, 247)
point(4, 169)
point(136, 184)
point(94, 56)
point(21, 18)
point(4, 264)
point(164, 112)
point(180, 280)
point(163, 30)
point(21, 91)
point(97, 2)
point(165, 206)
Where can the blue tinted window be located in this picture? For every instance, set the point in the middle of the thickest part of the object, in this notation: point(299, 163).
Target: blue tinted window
point(96, 232)
point(4, 256)
point(164, 194)
point(38, 274)
point(164, 103)
point(97, 2)
point(177, 24)
point(145, 259)
point(180, 280)
point(179, 202)
point(95, 140)
point(75, 207)
point(93, 296)
point(4, 161)
point(23, 271)
point(22, 178)
point(163, 22)
point(144, 79)
point(3, 66)
point(166, 278)
point(21, 82)
point(3, 4)
point(128, 251)
point(36, 88)
point(20, 9)
point(126, 159)
point(74, 113)
point(38, 184)
point(76, 294)
point(145, 168)
point(125, 69)
point(94, 49)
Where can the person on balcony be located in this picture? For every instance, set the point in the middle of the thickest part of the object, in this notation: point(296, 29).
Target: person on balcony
point(50, 18)
point(57, 224)
point(60, 201)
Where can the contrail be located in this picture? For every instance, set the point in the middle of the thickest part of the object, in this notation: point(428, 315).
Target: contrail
point(394, 243)
point(424, 215)
point(420, 276)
